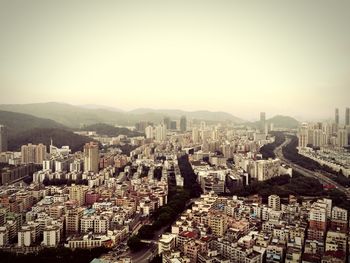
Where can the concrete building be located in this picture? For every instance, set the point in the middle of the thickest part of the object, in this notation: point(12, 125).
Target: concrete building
point(183, 124)
point(3, 138)
point(77, 193)
point(274, 202)
point(91, 157)
point(166, 243)
point(342, 138)
point(149, 131)
point(336, 116)
point(52, 236)
point(32, 153)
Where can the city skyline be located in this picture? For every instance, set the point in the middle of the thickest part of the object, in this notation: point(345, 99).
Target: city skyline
point(240, 58)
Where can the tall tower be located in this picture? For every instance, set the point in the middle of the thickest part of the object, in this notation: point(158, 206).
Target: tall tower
point(347, 116)
point(337, 116)
point(262, 121)
point(91, 157)
point(183, 124)
point(166, 122)
point(3, 138)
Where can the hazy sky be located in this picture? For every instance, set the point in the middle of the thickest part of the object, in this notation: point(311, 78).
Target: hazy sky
point(290, 57)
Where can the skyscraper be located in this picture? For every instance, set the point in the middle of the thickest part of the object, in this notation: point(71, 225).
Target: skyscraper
point(262, 121)
point(342, 138)
point(32, 153)
point(347, 116)
point(160, 132)
point(166, 122)
point(3, 138)
point(91, 157)
point(337, 116)
point(183, 124)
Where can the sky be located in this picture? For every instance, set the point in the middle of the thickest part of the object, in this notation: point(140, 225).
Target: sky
point(242, 57)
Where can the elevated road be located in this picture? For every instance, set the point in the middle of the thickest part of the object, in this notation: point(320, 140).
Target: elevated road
point(308, 173)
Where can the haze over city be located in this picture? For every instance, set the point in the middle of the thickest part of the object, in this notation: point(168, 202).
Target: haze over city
point(186, 131)
point(240, 57)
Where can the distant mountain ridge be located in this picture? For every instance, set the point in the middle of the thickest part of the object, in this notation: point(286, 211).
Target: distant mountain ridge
point(20, 122)
point(25, 128)
point(76, 116)
point(280, 121)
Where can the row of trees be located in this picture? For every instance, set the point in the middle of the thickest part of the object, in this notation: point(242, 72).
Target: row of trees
point(177, 201)
point(68, 182)
point(290, 152)
point(190, 178)
point(283, 186)
point(267, 150)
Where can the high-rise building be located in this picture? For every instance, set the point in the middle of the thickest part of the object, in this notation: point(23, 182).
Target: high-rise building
point(149, 132)
point(195, 135)
point(3, 138)
point(342, 138)
point(72, 219)
point(77, 193)
point(173, 125)
point(262, 121)
point(32, 153)
point(160, 132)
point(347, 116)
point(183, 124)
point(166, 122)
point(303, 136)
point(274, 202)
point(91, 157)
point(337, 116)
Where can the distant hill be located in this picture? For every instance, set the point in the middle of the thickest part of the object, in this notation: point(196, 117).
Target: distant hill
point(280, 121)
point(199, 115)
point(25, 128)
point(60, 138)
point(75, 117)
point(109, 130)
point(19, 122)
point(95, 107)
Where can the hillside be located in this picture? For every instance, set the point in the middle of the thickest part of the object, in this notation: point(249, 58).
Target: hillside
point(199, 115)
point(60, 138)
point(75, 116)
point(109, 130)
point(280, 121)
point(19, 122)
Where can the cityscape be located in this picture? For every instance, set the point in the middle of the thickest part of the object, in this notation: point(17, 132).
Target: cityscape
point(174, 131)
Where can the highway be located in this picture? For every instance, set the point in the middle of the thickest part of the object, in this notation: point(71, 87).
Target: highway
point(306, 172)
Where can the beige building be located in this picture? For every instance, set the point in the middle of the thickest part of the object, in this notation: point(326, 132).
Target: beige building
point(91, 157)
point(32, 153)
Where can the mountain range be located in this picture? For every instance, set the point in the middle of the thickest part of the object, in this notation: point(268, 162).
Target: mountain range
point(77, 116)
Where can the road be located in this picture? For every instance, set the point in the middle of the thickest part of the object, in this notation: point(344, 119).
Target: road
point(306, 172)
point(147, 254)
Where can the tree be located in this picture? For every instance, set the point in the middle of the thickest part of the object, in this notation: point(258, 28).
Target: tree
point(134, 243)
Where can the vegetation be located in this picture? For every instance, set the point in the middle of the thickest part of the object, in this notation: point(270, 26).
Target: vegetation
point(283, 186)
point(190, 178)
point(68, 182)
point(166, 214)
point(280, 121)
point(18, 122)
point(60, 138)
point(109, 130)
point(54, 255)
point(290, 152)
point(267, 149)
point(135, 243)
